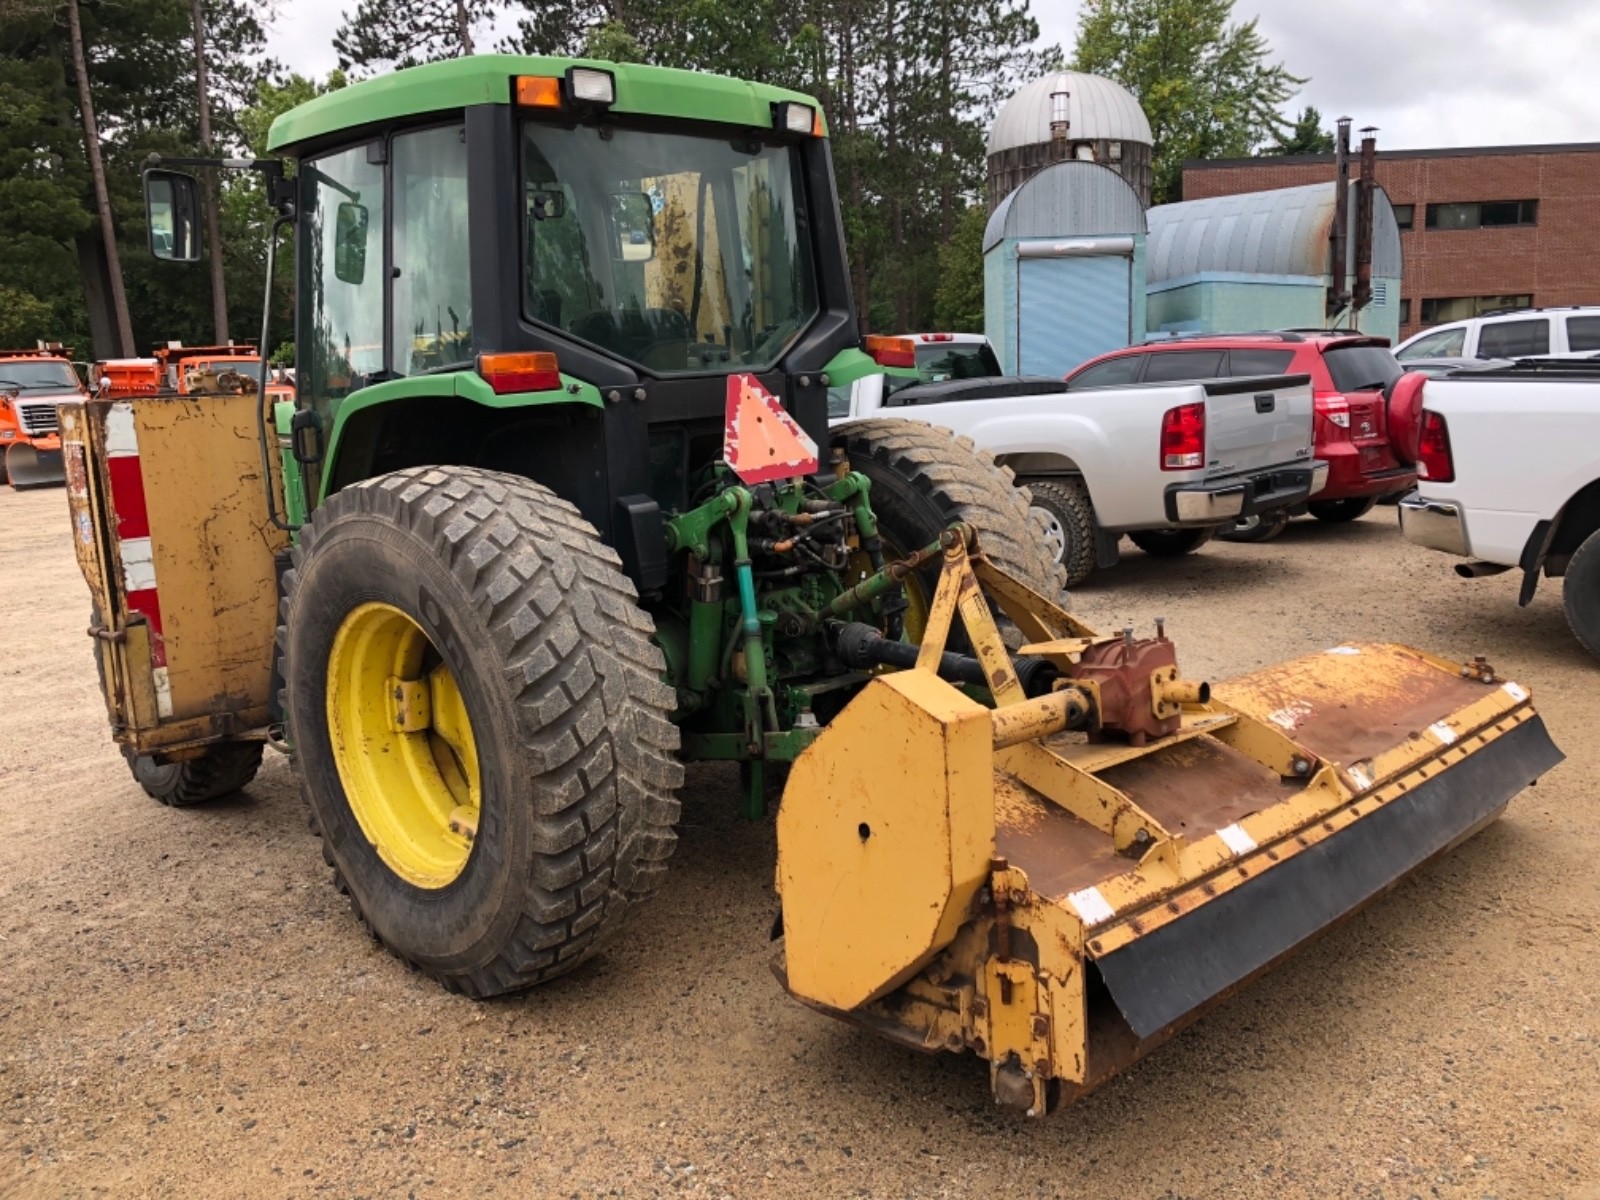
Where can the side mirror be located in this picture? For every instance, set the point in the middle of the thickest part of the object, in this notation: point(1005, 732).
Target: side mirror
point(350, 243)
point(172, 212)
point(634, 215)
point(547, 206)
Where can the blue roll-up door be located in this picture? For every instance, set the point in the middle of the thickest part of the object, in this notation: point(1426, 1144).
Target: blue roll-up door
point(1070, 309)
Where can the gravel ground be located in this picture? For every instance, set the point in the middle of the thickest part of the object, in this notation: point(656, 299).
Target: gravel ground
point(187, 1008)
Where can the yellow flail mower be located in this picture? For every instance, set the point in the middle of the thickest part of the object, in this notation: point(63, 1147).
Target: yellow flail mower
point(1061, 881)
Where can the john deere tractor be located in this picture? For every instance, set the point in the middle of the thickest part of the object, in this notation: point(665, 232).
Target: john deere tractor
point(556, 506)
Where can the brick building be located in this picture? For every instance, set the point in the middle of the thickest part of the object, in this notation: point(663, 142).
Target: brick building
point(1481, 228)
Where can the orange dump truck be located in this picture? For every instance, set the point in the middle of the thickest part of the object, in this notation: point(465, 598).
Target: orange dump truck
point(32, 383)
point(179, 363)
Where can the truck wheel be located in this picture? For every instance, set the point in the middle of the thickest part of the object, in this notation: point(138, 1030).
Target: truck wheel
point(1170, 543)
point(479, 721)
point(222, 770)
point(1580, 594)
point(1337, 512)
point(1259, 528)
point(1068, 519)
point(924, 478)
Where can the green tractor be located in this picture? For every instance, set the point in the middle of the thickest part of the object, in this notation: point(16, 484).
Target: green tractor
point(555, 507)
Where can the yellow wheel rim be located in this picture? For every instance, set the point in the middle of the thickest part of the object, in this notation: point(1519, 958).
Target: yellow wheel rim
point(403, 745)
point(914, 620)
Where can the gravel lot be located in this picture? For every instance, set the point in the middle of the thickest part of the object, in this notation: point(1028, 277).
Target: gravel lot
point(187, 1008)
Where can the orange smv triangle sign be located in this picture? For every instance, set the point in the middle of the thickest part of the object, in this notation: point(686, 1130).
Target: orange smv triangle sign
point(761, 442)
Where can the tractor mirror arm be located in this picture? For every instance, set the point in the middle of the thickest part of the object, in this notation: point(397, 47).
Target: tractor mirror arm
point(280, 192)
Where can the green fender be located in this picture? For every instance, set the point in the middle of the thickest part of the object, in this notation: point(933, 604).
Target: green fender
point(465, 384)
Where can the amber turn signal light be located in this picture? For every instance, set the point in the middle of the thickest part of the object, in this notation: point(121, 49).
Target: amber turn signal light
point(532, 372)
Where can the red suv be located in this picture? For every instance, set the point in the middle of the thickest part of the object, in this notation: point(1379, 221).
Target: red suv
point(1351, 377)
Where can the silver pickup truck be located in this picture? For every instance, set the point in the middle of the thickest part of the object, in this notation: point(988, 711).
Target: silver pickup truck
point(1166, 464)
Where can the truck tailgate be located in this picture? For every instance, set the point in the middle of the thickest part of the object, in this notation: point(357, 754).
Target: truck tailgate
point(1255, 423)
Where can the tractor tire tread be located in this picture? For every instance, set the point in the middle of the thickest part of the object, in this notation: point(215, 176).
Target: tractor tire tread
point(552, 597)
point(1012, 535)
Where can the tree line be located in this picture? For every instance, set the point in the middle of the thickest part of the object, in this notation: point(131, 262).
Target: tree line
point(90, 88)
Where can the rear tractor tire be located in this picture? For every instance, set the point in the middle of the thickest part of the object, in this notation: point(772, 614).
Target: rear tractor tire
point(1068, 518)
point(480, 726)
point(1337, 512)
point(221, 771)
point(924, 478)
point(1170, 543)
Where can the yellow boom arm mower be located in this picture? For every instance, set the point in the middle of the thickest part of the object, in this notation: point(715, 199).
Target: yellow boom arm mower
point(1062, 881)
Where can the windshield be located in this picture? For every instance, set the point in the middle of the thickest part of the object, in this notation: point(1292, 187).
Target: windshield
point(1361, 368)
point(680, 253)
point(970, 360)
point(37, 375)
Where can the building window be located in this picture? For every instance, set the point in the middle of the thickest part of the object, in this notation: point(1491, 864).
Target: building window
point(1405, 310)
point(1438, 309)
point(1403, 214)
point(1483, 215)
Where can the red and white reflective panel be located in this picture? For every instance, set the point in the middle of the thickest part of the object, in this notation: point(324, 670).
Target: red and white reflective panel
point(760, 441)
point(131, 521)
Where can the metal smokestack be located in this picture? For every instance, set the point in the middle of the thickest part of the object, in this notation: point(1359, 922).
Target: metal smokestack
point(1060, 125)
point(1362, 296)
point(1338, 236)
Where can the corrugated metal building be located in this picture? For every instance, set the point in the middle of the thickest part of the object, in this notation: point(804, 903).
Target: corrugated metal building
point(1259, 260)
point(1064, 271)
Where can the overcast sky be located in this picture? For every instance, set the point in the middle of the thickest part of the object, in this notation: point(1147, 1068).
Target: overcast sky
point(1426, 72)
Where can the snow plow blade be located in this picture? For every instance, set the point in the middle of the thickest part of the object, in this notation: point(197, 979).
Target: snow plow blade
point(1061, 881)
point(28, 466)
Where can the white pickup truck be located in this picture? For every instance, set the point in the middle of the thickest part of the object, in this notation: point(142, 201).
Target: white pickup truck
point(1508, 462)
point(1165, 464)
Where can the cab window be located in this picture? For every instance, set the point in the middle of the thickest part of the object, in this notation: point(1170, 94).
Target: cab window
point(1447, 343)
point(432, 298)
point(340, 343)
point(1180, 366)
point(1114, 372)
point(1514, 339)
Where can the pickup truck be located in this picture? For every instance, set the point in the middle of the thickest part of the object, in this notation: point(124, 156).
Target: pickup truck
point(1165, 464)
point(1509, 476)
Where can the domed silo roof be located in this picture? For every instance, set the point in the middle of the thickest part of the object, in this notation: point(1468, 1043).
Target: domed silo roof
point(1097, 109)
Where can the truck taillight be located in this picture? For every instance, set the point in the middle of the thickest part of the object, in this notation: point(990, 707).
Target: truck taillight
point(533, 372)
point(1433, 450)
point(891, 351)
point(1183, 438)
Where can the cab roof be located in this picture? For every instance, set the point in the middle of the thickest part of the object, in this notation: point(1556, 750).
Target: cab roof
point(488, 79)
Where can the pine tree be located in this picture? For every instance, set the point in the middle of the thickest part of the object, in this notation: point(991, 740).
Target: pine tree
point(1306, 136)
point(381, 36)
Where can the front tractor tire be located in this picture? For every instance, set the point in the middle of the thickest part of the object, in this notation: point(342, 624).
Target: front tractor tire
point(480, 726)
point(925, 477)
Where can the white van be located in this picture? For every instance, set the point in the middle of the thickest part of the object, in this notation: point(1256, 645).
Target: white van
point(1510, 333)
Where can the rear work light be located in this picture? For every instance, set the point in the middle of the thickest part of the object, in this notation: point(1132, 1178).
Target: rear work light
point(505, 373)
point(591, 85)
point(790, 116)
point(891, 351)
point(1434, 462)
point(1183, 438)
